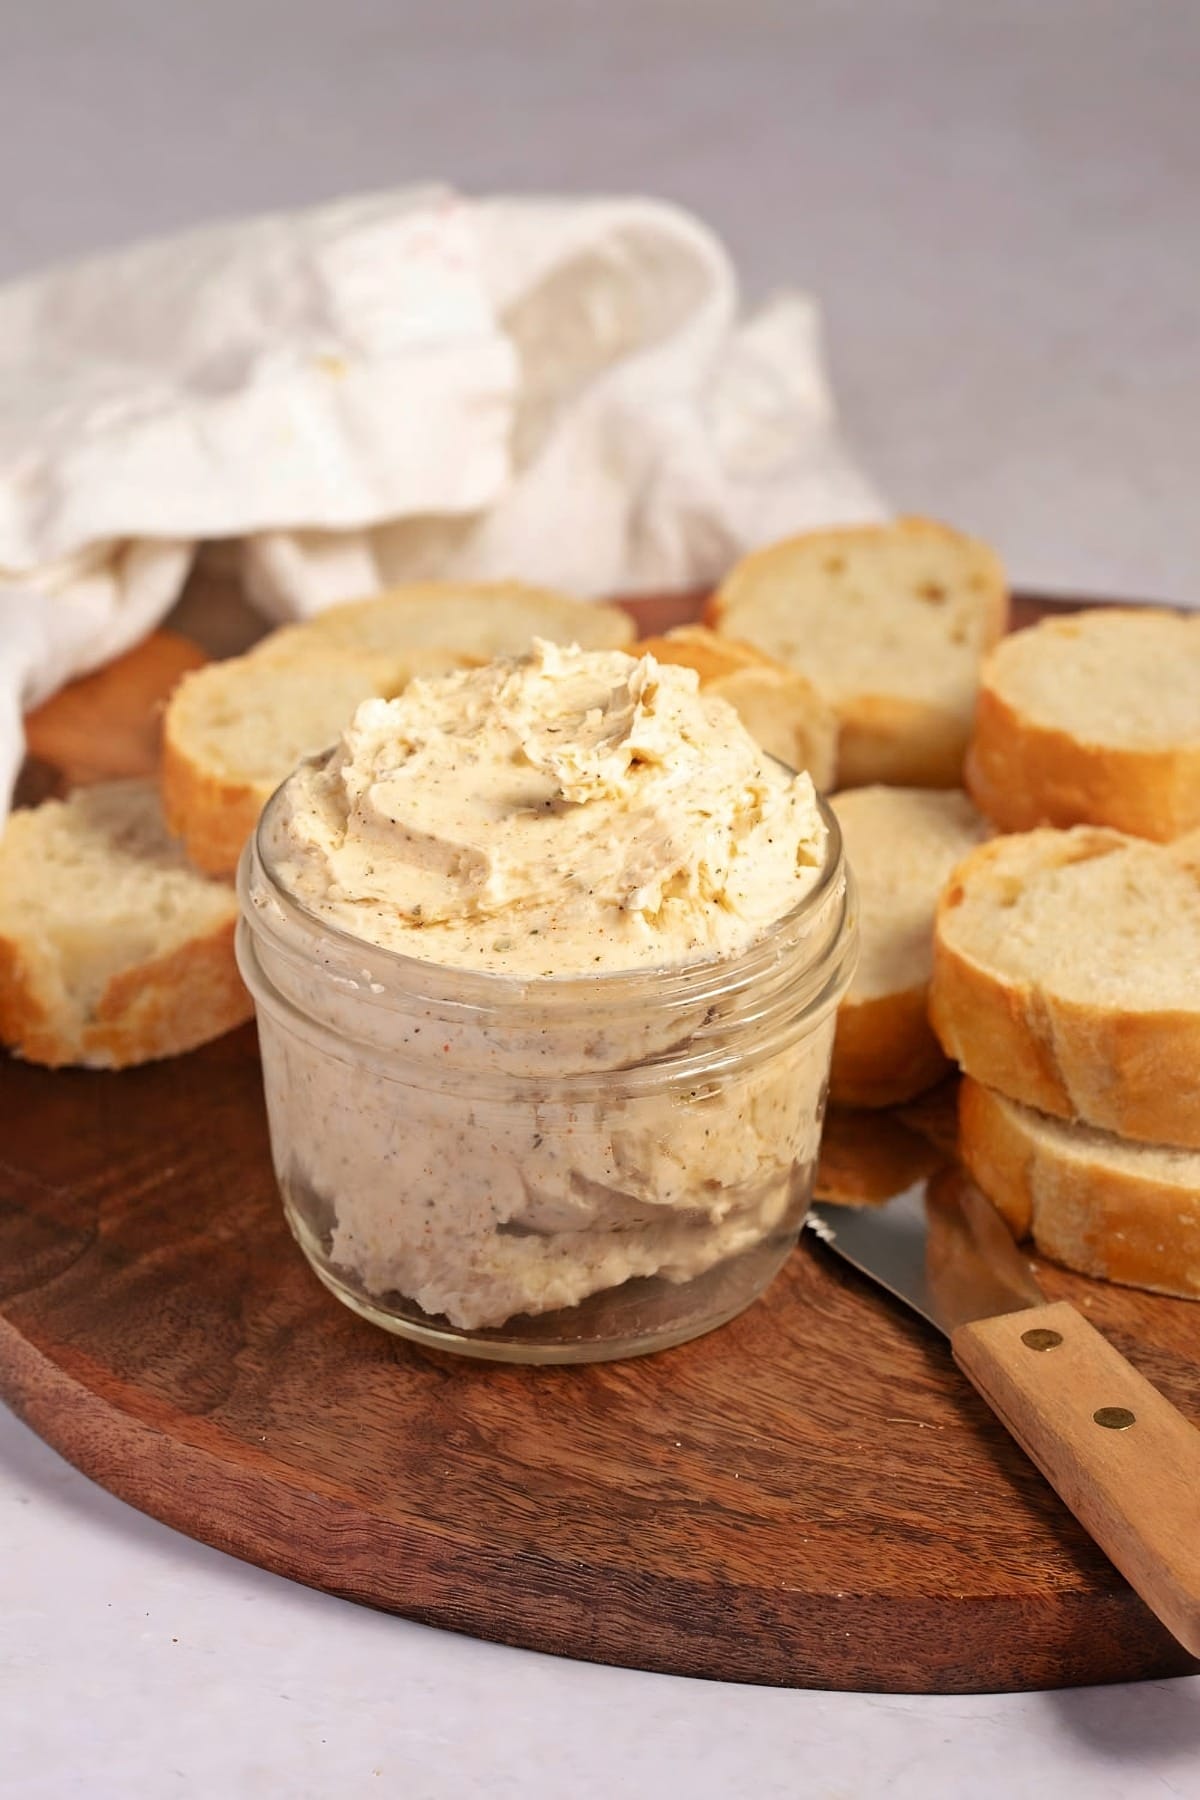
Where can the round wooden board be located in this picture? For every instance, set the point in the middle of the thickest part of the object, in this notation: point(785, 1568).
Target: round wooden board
point(812, 1495)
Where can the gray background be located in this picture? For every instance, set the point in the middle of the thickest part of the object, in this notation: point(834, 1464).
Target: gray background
point(998, 204)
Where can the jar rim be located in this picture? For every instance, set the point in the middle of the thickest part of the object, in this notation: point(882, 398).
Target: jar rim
point(488, 988)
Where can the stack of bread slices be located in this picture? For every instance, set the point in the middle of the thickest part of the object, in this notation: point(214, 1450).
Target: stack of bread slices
point(1066, 979)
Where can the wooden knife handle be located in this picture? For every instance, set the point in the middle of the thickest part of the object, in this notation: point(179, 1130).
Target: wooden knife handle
point(1114, 1449)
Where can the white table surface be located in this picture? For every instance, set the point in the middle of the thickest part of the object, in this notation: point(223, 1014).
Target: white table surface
point(999, 207)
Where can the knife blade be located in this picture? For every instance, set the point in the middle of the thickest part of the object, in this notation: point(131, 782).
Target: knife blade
point(1115, 1450)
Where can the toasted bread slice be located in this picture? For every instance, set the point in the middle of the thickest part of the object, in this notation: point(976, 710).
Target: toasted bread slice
point(890, 623)
point(113, 950)
point(780, 708)
point(1065, 975)
point(1092, 719)
point(902, 844)
point(1124, 1212)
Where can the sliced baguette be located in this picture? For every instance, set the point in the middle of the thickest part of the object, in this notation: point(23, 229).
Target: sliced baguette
point(113, 950)
point(107, 726)
point(443, 622)
point(780, 708)
point(890, 622)
point(1124, 1212)
point(1092, 719)
point(902, 845)
point(235, 729)
point(1066, 974)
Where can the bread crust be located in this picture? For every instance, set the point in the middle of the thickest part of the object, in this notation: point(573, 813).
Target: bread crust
point(213, 815)
point(777, 705)
point(1129, 1073)
point(712, 656)
point(1022, 774)
point(902, 845)
point(25, 1017)
point(884, 1050)
point(161, 1007)
point(170, 1004)
point(997, 1158)
point(1117, 1223)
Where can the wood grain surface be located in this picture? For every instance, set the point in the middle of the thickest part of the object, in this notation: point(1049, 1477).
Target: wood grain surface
point(1125, 1461)
point(812, 1495)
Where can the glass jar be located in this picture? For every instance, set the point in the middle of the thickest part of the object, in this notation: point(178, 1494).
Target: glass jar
point(542, 1170)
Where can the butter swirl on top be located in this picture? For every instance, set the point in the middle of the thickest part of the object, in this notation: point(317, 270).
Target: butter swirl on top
point(564, 813)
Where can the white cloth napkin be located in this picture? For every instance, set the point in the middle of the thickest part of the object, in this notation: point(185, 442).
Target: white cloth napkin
point(398, 386)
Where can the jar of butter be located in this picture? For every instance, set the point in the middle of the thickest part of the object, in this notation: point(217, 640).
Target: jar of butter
point(546, 957)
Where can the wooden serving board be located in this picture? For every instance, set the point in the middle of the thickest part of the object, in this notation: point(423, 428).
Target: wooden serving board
point(811, 1495)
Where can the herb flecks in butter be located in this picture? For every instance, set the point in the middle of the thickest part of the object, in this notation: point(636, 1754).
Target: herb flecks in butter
point(561, 813)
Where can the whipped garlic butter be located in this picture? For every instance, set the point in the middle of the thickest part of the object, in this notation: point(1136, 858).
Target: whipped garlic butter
point(566, 814)
point(546, 956)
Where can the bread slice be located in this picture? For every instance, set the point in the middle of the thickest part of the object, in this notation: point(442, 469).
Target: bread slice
point(233, 731)
point(458, 622)
point(113, 950)
point(890, 622)
point(1124, 1212)
point(1092, 719)
point(107, 726)
point(902, 845)
point(1066, 974)
point(780, 708)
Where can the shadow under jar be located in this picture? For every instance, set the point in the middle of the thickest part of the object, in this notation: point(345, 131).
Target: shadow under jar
point(544, 1170)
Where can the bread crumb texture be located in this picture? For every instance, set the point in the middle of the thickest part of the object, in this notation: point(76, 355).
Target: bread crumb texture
point(113, 949)
point(890, 623)
point(902, 845)
point(1067, 976)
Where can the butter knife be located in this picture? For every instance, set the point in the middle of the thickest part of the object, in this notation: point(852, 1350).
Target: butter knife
point(1114, 1449)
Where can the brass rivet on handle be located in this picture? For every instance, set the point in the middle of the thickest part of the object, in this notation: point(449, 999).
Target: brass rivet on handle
point(1039, 1338)
point(1115, 1418)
